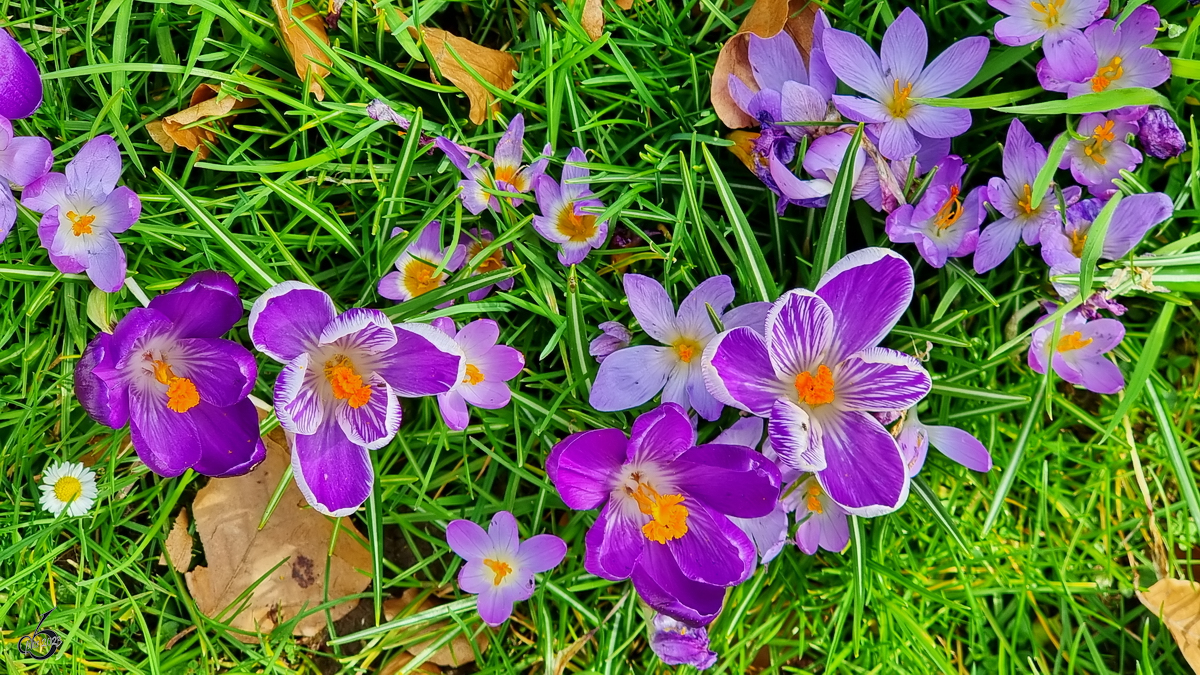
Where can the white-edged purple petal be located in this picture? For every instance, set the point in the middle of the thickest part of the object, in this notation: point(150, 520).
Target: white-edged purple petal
point(795, 437)
point(799, 330)
point(878, 379)
point(738, 371)
point(334, 475)
point(865, 470)
point(867, 291)
point(288, 319)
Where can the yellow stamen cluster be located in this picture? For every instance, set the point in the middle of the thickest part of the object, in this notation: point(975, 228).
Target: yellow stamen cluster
point(667, 512)
point(419, 277)
point(951, 210)
point(1050, 10)
point(346, 383)
point(474, 375)
point(1072, 341)
point(1026, 202)
point(1103, 133)
point(575, 227)
point(1078, 241)
point(815, 390)
point(499, 568)
point(813, 501)
point(686, 350)
point(1107, 74)
point(182, 394)
point(900, 104)
point(80, 225)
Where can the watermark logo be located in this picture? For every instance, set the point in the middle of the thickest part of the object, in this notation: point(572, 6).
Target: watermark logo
point(40, 644)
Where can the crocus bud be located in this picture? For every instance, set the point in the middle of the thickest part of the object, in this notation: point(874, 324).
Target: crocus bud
point(616, 336)
point(1158, 135)
point(677, 645)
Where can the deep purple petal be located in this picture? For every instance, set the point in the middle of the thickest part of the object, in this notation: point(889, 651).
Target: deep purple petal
point(729, 479)
point(867, 291)
point(660, 583)
point(167, 441)
point(738, 372)
point(222, 370)
point(20, 82)
point(288, 319)
point(334, 474)
point(614, 544)
point(206, 305)
point(423, 362)
point(106, 402)
point(583, 465)
point(865, 471)
point(661, 435)
point(231, 443)
point(714, 550)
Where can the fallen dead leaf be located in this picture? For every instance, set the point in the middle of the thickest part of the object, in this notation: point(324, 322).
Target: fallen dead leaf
point(179, 544)
point(593, 18)
point(765, 19)
point(397, 663)
point(1177, 603)
point(205, 103)
point(227, 512)
point(307, 57)
point(455, 654)
point(495, 67)
point(626, 4)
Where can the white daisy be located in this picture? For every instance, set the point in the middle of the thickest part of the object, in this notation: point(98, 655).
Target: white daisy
point(70, 486)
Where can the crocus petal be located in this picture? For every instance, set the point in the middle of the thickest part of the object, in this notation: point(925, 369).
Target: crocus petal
point(119, 211)
point(288, 319)
point(231, 444)
point(206, 305)
point(653, 308)
point(795, 189)
point(1023, 157)
point(510, 148)
point(939, 122)
point(541, 553)
point(905, 45)
point(738, 371)
point(468, 540)
point(1100, 375)
point(359, 329)
point(26, 159)
point(880, 379)
point(45, 193)
point(8, 210)
point(574, 190)
point(106, 402)
point(454, 410)
point(830, 531)
point(629, 377)
point(165, 440)
point(333, 474)
point(729, 479)
point(496, 604)
point(867, 291)
point(1073, 57)
point(855, 63)
point(952, 69)
point(423, 362)
point(489, 394)
point(865, 471)
point(704, 403)
point(582, 466)
point(794, 437)
point(769, 533)
point(661, 435)
point(504, 533)
point(714, 550)
point(799, 329)
point(1133, 218)
point(751, 314)
point(106, 264)
point(47, 230)
point(960, 446)
point(747, 432)
point(659, 581)
point(374, 424)
point(693, 319)
point(1103, 335)
point(862, 109)
point(298, 402)
point(996, 242)
point(614, 544)
point(775, 60)
point(96, 167)
point(896, 140)
point(20, 83)
point(222, 370)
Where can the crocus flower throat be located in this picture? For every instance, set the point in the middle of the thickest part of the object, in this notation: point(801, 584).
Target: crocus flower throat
point(1107, 74)
point(1048, 12)
point(668, 515)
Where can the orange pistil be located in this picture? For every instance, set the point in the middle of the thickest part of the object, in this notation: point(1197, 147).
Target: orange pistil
point(951, 210)
point(900, 104)
point(1072, 341)
point(474, 375)
point(499, 568)
point(668, 514)
point(575, 227)
point(1050, 9)
point(1107, 74)
point(493, 262)
point(347, 384)
point(419, 277)
point(1078, 240)
point(686, 350)
point(816, 390)
point(80, 225)
point(1026, 203)
point(813, 501)
point(182, 394)
point(512, 176)
point(1100, 135)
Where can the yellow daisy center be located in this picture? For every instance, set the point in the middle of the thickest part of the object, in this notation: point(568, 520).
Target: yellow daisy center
point(67, 489)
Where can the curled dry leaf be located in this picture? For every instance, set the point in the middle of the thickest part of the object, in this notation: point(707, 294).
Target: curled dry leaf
point(205, 103)
point(455, 654)
point(307, 57)
point(179, 544)
point(765, 19)
point(396, 664)
point(593, 18)
point(495, 67)
point(227, 512)
point(1177, 603)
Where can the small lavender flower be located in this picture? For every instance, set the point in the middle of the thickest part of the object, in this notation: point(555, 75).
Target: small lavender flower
point(379, 109)
point(614, 336)
point(960, 446)
point(1078, 357)
point(667, 503)
point(1100, 300)
point(82, 210)
point(564, 220)
point(1099, 158)
point(1159, 136)
point(489, 367)
point(1022, 160)
point(23, 160)
point(678, 644)
point(1121, 57)
point(507, 174)
point(337, 393)
point(474, 241)
point(416, 269)
point(20, 81)
point(817, 374)
point(901, 75)
point(1058, 24)
point(499, 566)
point(630, 377)
point(822, 522)
point(166, 371)
point(943, 224)
point(1062, 244)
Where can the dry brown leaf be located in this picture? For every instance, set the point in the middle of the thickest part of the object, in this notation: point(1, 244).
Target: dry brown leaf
point(495, 67)
point(626, 4)
point(160, 135)
point(455, 654)
point(307, 57)
point(227, 511)
point(205, 103)
point(1177, 603)
point(397, 663)
point(179, 544)
point(593, 18)
point(765, 19)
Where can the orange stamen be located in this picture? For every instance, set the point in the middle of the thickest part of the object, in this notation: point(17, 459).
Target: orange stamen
point(182, 394)
point(576, 227)
point(668, 514)
point(951, 210)
point(499, 568)
point(80, 225)
point(816, 390)
point(474, 375)
point(1072, 342)
point(347, 384)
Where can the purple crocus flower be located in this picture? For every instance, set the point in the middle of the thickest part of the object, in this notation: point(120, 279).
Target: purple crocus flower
point(1099, 158)
point(822, 521)
point(23, 160)
point(380, 111)
point(337, 394)
point(678, 644)
point(1159, 136)
point(960, 446)
point(1059, 24)
point(82, 210)
point(1121, 58)
point(1062, 244)
point(500, 567)
point(507, 175)
point(770, 532)
point(614, 336)
point(416, 269)
point(563, 220)
point(818, 374)
point(823, 161)
point(489, 367)
point(1078, 357)
point(943, 224)
point(474, 244)
point(1012, 195)
point(901, 75)
point(20, 81)
point(667, 503)
point(183, 390)
point(630, 377)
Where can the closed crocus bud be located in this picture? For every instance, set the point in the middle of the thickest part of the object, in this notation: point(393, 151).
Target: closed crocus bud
point(1159, 136)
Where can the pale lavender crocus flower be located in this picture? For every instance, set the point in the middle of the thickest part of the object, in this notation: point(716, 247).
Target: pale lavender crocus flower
point(23, 160)
point(632, 376)
point(507, 174)
point(1012, 195)
point(1078, 356)
point(82, 210)
point(960, 446)
point(1100, 157)
point(20, 81)
point(614, 336)
point(900, 76)
point(677, 644)
point(499, 566)
point(489, 367)
point(822, 522)
point(1062, 244)
point(943, 224)
point(563, 220)
point(1122, 57)
point(1059, 25)
point(417, 267)
point(474, 241)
